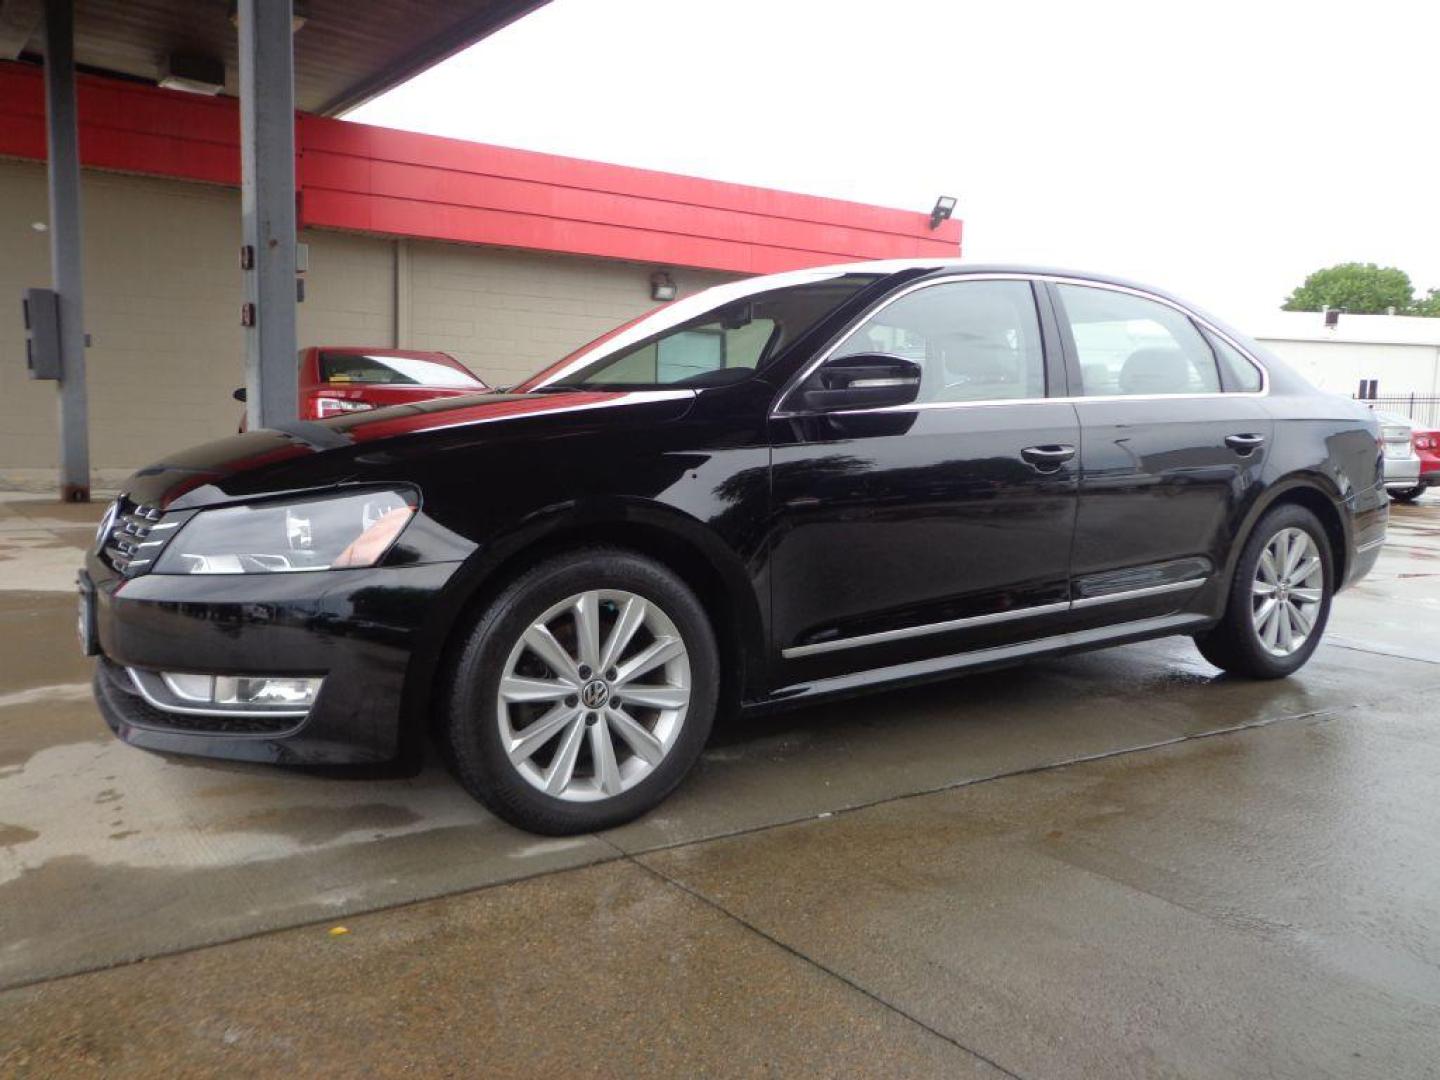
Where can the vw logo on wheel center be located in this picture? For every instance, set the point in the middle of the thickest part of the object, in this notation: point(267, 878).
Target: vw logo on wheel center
point(594, 694)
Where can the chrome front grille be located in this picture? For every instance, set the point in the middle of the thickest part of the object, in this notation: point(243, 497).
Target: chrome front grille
point(134, 536)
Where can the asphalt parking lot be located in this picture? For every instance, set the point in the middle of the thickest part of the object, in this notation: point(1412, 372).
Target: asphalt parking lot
point(1115, 864)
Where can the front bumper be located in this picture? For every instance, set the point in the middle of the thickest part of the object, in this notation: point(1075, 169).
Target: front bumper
point(356, 628)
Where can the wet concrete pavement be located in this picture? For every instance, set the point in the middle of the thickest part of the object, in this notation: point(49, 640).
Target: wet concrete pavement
point(1111, 864)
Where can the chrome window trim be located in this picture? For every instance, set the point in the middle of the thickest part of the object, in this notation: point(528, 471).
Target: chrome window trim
point(779, 413)
point(796, 652)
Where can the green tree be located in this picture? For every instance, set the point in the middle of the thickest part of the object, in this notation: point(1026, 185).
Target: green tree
point(1361, 288)
point(1428, 307)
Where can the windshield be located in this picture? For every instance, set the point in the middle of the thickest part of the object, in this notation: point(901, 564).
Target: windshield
point(367, 369)
point(718, 336)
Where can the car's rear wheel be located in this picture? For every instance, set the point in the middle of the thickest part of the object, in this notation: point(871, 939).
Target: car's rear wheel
point(584, 693)
point(1279, 598)
point(1407, 495)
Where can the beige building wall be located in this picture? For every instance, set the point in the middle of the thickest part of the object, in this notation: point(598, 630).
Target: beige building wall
point(506, 314)
point(163, 292)
point(349, 291)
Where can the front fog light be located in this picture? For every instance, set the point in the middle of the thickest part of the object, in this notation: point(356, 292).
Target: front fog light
point(249, 690)
point(177, 691)
point(243, 689)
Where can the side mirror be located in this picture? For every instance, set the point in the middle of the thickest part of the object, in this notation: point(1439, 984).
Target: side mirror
point(862, 381)
point(239, 394)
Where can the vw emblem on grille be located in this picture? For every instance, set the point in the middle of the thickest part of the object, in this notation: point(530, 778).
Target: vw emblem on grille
point(105, 523)
point(594, 694)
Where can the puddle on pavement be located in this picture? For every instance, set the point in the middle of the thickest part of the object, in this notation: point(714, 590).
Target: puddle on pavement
point(32, 726)
point(310, 825)
point(10, 835)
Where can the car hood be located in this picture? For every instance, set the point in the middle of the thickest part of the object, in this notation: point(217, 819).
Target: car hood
point(307, 454)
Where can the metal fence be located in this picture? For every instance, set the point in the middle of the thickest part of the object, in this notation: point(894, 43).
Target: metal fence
point(1423, 410)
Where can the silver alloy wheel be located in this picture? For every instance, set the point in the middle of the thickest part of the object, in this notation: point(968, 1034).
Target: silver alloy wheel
point(1288, 589)
point(597, 665)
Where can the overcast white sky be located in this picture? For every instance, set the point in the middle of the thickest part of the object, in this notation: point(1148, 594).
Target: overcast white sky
point(1222, 150)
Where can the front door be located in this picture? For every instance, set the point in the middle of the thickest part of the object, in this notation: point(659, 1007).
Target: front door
point(937, 527)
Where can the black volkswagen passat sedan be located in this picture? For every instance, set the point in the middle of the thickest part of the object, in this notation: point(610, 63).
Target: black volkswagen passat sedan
point(772, 492)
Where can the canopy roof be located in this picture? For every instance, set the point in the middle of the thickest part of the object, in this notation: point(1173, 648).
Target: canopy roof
point(346, 51)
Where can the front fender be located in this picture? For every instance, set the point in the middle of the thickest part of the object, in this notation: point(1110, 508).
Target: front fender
point(654, 528)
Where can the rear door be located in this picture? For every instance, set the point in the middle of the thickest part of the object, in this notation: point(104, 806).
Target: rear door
point(932, 528)
point(1174, 440)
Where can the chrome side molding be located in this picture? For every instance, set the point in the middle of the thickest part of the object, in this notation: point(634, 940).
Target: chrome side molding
point(920, 631)
point(796, 652)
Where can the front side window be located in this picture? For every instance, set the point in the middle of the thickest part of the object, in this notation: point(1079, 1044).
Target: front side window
point(974, 340)
point(1128, 345)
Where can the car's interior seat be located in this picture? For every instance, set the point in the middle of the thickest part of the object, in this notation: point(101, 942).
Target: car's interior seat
point(1156, 371)
point(1096, 379)
point(974, 369)
point(978, 361)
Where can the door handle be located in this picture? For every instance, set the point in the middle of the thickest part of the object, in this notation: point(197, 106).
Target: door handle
point(1244, 444)
point(1049, 457)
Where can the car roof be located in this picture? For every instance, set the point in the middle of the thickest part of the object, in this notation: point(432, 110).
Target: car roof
point(896, 266)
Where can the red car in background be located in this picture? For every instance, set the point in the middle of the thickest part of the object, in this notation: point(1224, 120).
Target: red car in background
point(351, 378)
point(1426, 445)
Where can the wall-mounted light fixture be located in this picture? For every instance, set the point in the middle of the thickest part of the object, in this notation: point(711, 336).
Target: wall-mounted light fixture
point(662, 286)
point(944, 207)
point(193, 73)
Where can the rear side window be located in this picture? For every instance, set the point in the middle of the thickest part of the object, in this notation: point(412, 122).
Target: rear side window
point(974, 340)
point(1237, 374)
point(1130, 346)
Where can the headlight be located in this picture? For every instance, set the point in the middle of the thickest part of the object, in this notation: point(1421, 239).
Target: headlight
point(332, 531)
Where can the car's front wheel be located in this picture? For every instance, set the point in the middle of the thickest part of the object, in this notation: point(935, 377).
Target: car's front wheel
point(1407, 495)
point(1279, 598)
point(584, 693)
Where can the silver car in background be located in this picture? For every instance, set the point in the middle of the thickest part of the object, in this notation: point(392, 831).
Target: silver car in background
point(1402, 463)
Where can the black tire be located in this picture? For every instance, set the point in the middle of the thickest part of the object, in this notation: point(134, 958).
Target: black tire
point(1234, 645)
point(472, 726)
point(1407, 495)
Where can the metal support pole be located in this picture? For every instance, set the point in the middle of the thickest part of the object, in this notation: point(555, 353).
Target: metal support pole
point(267, 209)
point(63, 150)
